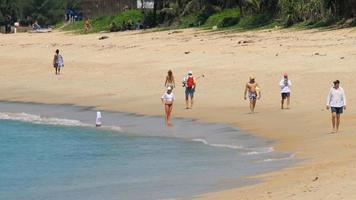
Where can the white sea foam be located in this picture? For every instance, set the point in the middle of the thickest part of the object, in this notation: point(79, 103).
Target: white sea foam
point(257, 151)
point(37, 119)
point(217, 145)
point(279, 159)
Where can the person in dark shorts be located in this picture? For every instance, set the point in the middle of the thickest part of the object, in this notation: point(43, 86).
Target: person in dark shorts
point(285, 85)
point(254, 93)
point(189, 83)
point(336, 102)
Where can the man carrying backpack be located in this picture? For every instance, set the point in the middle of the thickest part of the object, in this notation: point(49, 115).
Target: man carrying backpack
point(189, 83)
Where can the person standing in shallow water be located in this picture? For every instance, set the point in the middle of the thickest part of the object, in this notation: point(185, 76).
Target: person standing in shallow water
point(336, 101)
point(167, 100)
point(58, 62)
point(98, 120)
point(170, 80)
point(254, 93)
point(285, 85)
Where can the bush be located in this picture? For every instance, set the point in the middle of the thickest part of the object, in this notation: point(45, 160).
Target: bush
point(225, 18)
point(127, 18)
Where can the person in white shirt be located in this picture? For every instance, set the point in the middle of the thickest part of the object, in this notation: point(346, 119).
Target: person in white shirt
point(285, 85)
point(167, 100)
point(336, 101)
point(98, 119)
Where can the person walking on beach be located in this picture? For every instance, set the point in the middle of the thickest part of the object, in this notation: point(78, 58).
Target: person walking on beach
point(254, 93)
point(98, 120)
point(58, 62)
point(189, 83)
point(336, 101)
point(170, 80)
point(167, 100)
point(285, 85)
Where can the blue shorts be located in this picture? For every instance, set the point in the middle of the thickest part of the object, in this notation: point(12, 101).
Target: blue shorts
point(337, 110)
point(189, 92)
point(285, 95)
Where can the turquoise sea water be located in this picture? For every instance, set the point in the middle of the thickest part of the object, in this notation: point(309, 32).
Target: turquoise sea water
point(56, 162)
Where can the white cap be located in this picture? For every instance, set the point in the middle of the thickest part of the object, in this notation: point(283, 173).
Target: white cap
point(190, 72)
point(169, 88)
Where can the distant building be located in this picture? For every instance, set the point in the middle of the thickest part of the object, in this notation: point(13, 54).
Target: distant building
point(147, 4)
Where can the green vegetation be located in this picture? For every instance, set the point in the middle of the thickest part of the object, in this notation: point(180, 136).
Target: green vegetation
point(125, 20)
point(223, 19)
point(238, 14)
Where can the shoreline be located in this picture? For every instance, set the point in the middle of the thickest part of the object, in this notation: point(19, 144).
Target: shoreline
point(256, 153)
point(113, 74)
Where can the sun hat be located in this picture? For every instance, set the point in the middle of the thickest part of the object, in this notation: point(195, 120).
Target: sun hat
point(169, 88)
point(190, 72)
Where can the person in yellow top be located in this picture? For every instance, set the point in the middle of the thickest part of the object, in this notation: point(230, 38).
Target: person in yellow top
point(87, 25)
point(254, 93)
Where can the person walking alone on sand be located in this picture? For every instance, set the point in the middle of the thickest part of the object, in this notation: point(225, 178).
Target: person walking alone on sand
point(285, 84)
point(167, 100)
point(58, 62)
point(170, 80)
point(189, 83)
point(254, 93)
point(336, 101)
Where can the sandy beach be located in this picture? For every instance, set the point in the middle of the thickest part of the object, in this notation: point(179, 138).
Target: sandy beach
point(126, 72)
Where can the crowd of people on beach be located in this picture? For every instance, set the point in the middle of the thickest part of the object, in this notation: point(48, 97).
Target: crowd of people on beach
point(336, 99)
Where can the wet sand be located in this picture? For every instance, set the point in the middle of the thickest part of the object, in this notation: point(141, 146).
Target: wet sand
point(126, 73)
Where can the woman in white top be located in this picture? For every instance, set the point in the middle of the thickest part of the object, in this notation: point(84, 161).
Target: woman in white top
point(167, 100)
point(336, 101)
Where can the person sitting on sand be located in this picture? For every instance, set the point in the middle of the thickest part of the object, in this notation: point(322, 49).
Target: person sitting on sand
point(36, 26)
point(189, 83)
point(87, 25)
point(58, 62)
point(254, 93)
point(170, 80)
point(114, 27)
point(285, 85)
point(336, 101)
point(167, 100)
point(98, 120)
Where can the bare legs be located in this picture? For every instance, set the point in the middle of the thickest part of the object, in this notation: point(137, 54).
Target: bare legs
point(168, 110)
point(187, 102)
point(58, 70)
point(335, 119)
point(252, 105)
point(288, 103)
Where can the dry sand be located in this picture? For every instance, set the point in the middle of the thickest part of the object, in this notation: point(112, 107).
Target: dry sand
point(126, 72)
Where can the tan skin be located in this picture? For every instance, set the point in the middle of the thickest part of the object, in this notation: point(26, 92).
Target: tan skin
point(335, 118)
point(168, 107)
point(252, 88)
point(87, 25)
point(170, 80)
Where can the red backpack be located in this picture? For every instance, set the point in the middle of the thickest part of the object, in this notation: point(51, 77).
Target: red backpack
point(190, 82)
